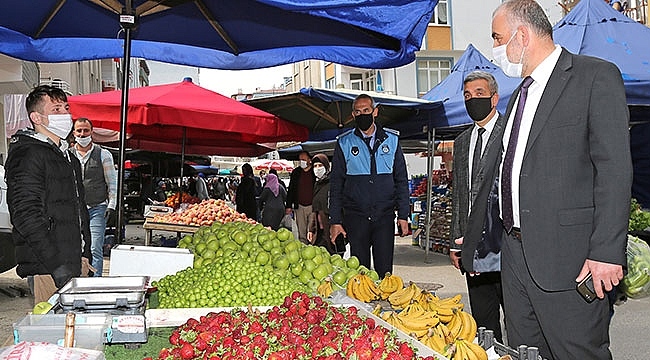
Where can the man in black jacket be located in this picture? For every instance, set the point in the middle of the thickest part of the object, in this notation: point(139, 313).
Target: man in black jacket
point(46, 197)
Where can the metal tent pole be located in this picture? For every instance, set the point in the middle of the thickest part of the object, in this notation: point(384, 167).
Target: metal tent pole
point(127, 21)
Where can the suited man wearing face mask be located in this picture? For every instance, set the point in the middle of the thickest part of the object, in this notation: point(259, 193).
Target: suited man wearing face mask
point(368, 183)
point(45, 195)
point(100, 184)
point(476, 229)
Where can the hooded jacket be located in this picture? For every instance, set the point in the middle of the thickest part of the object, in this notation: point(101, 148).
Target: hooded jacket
point(45, 196)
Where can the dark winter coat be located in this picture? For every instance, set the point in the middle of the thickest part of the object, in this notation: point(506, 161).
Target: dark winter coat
point(245, 198)
point(46, 202)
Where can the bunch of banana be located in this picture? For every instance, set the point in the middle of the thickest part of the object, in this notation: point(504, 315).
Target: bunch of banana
point(389, 284)
point(400, 298)
point(362, 288)
point(417, 322)
point(467, 350)
point(325, 288)
point(462, 326)
point(435, 339)
point(445, 307)
point(425, 298)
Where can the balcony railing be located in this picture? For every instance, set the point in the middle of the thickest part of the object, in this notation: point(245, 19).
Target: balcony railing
point(58, 83)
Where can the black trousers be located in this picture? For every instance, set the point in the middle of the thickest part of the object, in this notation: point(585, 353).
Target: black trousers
point(486, 301)
point(560, 323)
point(376, 236)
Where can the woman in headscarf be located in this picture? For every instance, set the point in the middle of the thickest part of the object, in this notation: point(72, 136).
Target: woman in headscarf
point(245, 197)
point(319, 227)
point(272, 202)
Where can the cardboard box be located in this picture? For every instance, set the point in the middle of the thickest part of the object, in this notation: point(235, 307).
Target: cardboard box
point(155, 262)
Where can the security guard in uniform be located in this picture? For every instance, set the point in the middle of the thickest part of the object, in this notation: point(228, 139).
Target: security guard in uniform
point(368, 182)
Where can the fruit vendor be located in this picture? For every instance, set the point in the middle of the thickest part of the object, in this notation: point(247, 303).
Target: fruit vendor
point(368, 182)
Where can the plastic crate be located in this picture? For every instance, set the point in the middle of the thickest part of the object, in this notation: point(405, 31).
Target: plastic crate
point(89, 332)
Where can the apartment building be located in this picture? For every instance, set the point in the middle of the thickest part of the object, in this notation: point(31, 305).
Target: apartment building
point(454, 25)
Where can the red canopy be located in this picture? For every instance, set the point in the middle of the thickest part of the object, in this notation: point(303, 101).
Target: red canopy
point(160, 114)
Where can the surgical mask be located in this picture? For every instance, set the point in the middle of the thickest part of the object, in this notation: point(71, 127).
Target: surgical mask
point(501, 59)
point(364, 121)
point(83, 141)
point(303, 164)
point(319, 172)
point(478, 108)
point(60, 125)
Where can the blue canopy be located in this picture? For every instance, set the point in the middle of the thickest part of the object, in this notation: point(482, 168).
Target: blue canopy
point(327, 113)
point(450, 90)
point(594, 28)
point(241, 34)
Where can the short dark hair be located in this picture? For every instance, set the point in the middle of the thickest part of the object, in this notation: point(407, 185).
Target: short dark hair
point(304, 152)
point(84, 120)
point(34, 100)
point(363, 96)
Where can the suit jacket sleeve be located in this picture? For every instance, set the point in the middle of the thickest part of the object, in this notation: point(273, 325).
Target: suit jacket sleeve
point(457, 187)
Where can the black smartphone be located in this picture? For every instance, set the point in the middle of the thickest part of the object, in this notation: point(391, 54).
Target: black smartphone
point(586, 289)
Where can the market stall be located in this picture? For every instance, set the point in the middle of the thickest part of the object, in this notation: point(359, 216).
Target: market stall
point(229, 264)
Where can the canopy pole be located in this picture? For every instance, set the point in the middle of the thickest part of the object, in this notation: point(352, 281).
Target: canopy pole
point(127, 21)
point(431, 135)
point(180, 188)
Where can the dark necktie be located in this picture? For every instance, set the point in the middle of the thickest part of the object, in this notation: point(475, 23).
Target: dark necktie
point(477, 155)
point(506, 176)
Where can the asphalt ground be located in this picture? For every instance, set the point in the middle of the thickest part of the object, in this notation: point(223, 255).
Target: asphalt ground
point(629, 331)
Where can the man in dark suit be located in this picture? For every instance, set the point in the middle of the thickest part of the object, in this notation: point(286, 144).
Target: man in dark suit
point(475, 205)
point(564, 187)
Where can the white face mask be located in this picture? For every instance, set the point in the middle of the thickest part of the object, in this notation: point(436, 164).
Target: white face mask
point(501, 58)
point(303, 164)
point(319, 172)
point(60, 125)
point(83, 141)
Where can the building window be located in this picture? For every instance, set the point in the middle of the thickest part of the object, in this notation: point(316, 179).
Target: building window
point(356, 81)
point(370, 81)
point(431, 72)
point(440, 14)
point(330, 83)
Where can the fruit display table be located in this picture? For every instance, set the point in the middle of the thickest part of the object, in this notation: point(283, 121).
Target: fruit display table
point(150, 226)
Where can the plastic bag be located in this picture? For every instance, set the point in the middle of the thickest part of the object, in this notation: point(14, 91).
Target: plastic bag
point(636, 284)
point(45, 351)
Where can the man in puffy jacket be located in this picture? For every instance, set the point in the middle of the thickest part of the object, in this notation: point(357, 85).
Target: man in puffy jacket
point(46, 197)
point(368, 182)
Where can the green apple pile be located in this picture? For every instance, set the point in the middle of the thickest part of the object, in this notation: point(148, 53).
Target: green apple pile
point(228, 281)
point(272, 250)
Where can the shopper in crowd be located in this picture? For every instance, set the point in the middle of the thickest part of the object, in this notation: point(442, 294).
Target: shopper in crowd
point(319, 225)
point(280, 181)
point(368, 182)
point(220, 189)
point(201, 187)
point(272, 202)
point(160, 195)
point(245, 196)
point(100, 184)
point(300, 194)
point(565, 184)
point(476, 229)
point(45, 195)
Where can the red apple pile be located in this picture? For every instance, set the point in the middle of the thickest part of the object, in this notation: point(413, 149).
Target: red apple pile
point(303, 327)
point(203, 214)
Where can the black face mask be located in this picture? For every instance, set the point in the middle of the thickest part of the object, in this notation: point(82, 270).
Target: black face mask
point(478, 108)
point(364, 121)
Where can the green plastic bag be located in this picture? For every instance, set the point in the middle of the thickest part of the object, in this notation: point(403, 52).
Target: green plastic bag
point(636, 284)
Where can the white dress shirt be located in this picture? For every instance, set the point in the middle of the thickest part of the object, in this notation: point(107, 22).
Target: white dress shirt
point(540, 75)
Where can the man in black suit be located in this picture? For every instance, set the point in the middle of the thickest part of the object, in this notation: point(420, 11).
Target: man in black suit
point(476, 229)
point(565, 185)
